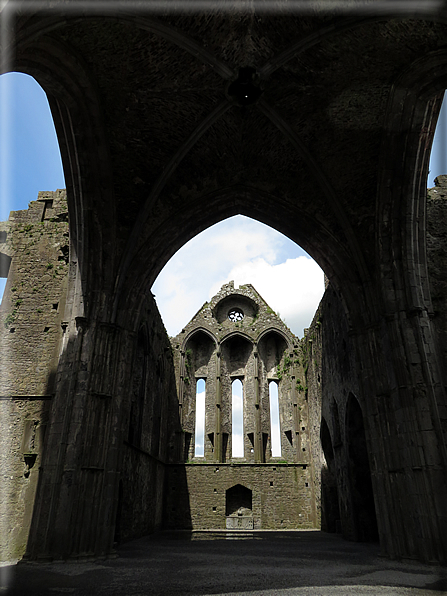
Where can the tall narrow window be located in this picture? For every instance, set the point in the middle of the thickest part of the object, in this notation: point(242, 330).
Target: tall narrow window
point(237, 415)
point(275, 431)
point(199, 449)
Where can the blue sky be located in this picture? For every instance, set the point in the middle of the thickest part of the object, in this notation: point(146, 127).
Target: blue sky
point(245, 251)
point(29, 152)
point(438, 157)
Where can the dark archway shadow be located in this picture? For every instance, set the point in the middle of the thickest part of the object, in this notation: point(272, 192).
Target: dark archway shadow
point(364, 513)
point(330, 510)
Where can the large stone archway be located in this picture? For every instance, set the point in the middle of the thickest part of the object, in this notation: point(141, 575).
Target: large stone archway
point(156, 148)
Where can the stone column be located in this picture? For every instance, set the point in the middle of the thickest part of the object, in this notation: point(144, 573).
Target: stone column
point(181, 386)
point(259, 455)
point(75, 503)
point(296, 419)
point(403, 427)
point(218, 455)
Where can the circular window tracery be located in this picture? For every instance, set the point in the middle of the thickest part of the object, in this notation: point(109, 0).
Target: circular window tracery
point(235, 315)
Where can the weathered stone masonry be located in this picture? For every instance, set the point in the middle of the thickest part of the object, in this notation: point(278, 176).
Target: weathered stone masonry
point(350, 485)
point(238, 336)
point(160, 140)
point(327, 471)
point(35, 247)
point(34, 346)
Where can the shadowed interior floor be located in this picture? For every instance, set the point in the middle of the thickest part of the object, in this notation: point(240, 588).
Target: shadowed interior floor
point(248, 563)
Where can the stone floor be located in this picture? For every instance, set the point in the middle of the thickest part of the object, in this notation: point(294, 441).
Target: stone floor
point(252, 564)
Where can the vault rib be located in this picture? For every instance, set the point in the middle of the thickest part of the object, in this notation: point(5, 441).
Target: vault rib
point(317, 171)
point(152, 25)
point(155, 191)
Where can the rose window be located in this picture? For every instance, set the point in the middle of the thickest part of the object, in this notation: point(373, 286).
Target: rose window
point(235, 315)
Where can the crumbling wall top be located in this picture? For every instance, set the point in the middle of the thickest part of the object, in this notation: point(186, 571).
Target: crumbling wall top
point(241, 310)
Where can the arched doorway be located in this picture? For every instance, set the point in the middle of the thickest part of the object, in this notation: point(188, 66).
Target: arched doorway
point(364, 513)
point(330, 511)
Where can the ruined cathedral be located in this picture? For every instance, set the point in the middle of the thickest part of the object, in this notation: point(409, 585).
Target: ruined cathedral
point(179, 466)
point(238, 339)
point(317, 122)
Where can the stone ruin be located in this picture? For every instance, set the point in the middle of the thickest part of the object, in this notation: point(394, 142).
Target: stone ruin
point(323, 477)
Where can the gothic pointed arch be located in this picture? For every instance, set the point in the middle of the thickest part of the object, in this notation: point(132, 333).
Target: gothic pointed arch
point(330, 512)
point(364, 513)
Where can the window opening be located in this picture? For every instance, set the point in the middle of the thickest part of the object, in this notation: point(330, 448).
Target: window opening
point(5, 262)
point(235, 315)
point(237, 416)
point(274, 419)
point(199, 449)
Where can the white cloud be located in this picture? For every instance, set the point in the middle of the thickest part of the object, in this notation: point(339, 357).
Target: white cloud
point(246, 251)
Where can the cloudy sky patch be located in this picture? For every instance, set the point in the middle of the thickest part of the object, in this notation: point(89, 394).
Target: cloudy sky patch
point(246, 251)
point(199, 449)
point(237, 419)
point(274, 420)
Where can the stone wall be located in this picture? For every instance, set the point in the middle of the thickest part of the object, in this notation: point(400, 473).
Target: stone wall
point(150, 417)
point(368, 127)
point(327, 469)
point(34, 243)
point(332, 382)
point(259, 349)
point(132, 398)
point(282, 495)
point(33, 302)
point(437, 258)
point(346, 486)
